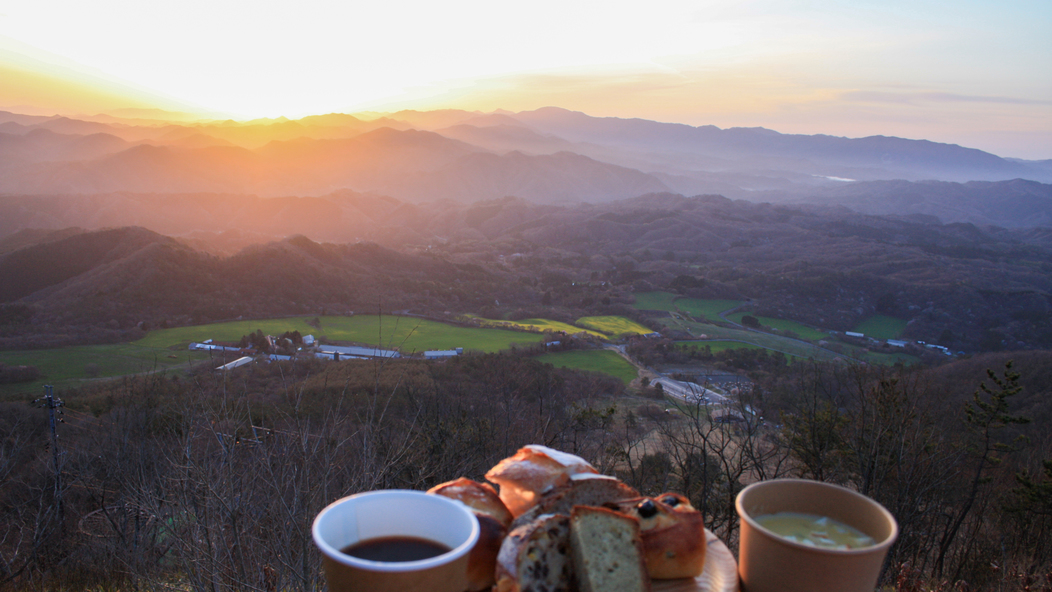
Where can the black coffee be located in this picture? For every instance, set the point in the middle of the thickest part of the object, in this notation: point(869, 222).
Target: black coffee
point(395, 548)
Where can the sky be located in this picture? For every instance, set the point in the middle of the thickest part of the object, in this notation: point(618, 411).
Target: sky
point(975, 73)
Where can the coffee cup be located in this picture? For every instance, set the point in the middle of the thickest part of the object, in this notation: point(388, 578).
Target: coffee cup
point(771, 562)
point(394, 519)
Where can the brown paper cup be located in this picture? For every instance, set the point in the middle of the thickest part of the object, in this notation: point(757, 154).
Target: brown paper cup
point(393, 513)
point(770, 563)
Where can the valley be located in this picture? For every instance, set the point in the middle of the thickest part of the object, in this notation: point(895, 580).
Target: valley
point(246, 320)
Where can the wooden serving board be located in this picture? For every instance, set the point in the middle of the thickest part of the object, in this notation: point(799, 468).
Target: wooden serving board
point(720, 573)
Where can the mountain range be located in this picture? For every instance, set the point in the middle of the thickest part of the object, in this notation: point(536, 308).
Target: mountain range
point(965, 286)
point(548, 156)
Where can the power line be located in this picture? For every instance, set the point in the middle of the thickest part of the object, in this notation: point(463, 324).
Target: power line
point(54, 405)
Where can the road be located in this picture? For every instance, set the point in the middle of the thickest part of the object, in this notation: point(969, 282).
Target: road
point(690, 392)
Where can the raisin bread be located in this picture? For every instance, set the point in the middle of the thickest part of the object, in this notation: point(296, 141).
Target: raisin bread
point(536, 557)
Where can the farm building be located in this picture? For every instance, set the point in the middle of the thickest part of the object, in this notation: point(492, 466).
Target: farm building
point(447, 353)
point(235, 364)
point(347, 352)
point(209, 346)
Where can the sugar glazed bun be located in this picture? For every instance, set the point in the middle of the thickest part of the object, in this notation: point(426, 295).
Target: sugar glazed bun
point(673, 535)
point(533, 471)
point(536, 557)
point(494, 519)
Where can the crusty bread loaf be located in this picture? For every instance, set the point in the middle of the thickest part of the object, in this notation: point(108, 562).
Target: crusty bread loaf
point(536, 557)
point(494, 520)
point(673, 535)
point(607, 551)
point(533, 471)
point(580, 490)
point(480, 497)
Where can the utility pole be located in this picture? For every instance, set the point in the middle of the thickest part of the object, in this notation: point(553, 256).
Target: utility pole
point(53, 404)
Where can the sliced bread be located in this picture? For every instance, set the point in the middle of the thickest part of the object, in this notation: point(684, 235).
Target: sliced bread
point(536, 557)
point(607, 551)
point(581, 490)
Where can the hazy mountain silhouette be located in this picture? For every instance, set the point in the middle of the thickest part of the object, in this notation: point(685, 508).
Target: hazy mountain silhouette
point(42, 145)
point(550, 155)
point(874, 157)
point(1004, 203)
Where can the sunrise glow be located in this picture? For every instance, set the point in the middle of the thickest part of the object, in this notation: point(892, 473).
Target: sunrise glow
point(956, 72)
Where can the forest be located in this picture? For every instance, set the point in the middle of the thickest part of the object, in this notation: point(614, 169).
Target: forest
point(210, 481)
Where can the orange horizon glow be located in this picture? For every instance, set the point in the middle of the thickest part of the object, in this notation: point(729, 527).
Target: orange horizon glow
point(966, 74)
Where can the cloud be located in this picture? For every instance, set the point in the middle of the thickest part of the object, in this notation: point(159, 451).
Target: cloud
point(913, 98)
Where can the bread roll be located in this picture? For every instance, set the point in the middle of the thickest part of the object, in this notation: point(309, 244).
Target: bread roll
point(673, 535)
point(480, 497)
point(494, 520)
point(533, 471)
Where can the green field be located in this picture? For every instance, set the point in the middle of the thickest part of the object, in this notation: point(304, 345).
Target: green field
point(790, 347)
point(603, 361)
point(709, 309)
point(167, 348)
point(614, 326)
point(717, 346)
point(407, 334)
point(655, 301)
point(68, 366)
point(890, 359)
point(804, 331)
point(542, 325)
point(881, 327)
point(765, 340)
point(695, 307)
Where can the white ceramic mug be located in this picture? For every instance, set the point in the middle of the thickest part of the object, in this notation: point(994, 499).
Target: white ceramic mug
point(395, 513)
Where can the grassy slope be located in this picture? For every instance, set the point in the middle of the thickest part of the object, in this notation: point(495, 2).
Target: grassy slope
point(783, 344)
point(804, 331)
point(604, 361)
point(719, 346)
point(67, 366)
point(881, 327)
point(695, 307)
point(709, 309)
point(654, 301)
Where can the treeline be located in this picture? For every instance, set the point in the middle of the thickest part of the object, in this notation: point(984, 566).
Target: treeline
point(754, 361)
point(211, 482)
point(214, 481)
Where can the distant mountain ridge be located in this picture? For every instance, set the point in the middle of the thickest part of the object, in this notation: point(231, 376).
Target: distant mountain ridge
point(549, 155)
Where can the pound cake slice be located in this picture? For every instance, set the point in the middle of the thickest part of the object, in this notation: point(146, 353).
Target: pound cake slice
point(607, 551)
point(536, 557)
